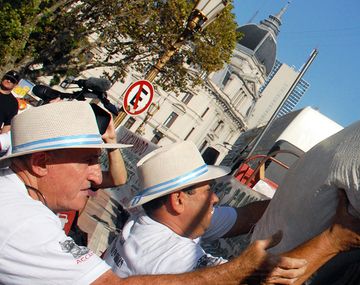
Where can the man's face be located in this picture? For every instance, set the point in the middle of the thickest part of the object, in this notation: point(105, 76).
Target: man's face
point(8, 83)
point(200, 204)
point(69, 176)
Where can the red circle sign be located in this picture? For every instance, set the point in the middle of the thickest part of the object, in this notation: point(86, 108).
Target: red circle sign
point(138, 97)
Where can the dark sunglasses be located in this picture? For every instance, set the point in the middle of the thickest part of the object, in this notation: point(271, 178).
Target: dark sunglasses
point(11, 79)
point(102, 117)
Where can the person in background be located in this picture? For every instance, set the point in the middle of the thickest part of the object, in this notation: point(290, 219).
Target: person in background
point(54, 162)
point(8, 103)
point(8, 107)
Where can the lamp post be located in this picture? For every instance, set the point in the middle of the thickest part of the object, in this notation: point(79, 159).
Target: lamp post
point(201, 16)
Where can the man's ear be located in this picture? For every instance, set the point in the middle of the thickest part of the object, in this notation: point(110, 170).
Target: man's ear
point(177, 201)
point(38, 163)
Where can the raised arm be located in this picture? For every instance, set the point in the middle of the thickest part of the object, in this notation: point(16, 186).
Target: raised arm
point(116, 175)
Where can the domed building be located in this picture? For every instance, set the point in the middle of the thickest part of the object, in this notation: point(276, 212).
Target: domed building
point(260, 40)
point(252, 62)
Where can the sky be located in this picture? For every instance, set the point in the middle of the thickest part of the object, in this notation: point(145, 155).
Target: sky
point(333, 28)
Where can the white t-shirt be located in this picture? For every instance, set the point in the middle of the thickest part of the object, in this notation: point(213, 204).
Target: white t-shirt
point(306, 201)
point(33, 247)
point(148, 247)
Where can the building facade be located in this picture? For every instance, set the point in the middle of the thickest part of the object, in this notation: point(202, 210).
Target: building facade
point(213, 115)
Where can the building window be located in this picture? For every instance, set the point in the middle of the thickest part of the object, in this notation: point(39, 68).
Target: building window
point(186, 99)
point(226, 78)
point(188, 135)
point(129, 123)
point(170, 120)
point(218, 126)
point(158, 136)
point(203, 146)
point(203, 114)
point(114, 77)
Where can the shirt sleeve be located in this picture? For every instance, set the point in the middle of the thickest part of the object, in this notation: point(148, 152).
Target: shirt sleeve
point(39, 252)
point(222, 221)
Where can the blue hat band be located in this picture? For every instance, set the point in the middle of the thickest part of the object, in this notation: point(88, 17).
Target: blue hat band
point(59, 142)
point(173, 183)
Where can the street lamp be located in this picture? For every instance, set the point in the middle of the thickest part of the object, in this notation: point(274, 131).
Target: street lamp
point(202, 15)
point(153, 108)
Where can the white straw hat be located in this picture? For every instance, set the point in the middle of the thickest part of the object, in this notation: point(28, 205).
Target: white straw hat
point(172, 168)
point(70, 124)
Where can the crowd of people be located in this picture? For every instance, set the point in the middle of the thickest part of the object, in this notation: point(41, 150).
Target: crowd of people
point(54, 166)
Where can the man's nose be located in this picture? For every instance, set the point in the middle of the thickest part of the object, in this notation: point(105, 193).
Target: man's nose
point(215, 198)
point(95, 174)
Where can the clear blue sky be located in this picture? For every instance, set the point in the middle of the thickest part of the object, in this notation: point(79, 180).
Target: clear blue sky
point(331, 26)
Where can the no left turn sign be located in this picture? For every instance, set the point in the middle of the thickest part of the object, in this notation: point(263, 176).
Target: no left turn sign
point(138, 97)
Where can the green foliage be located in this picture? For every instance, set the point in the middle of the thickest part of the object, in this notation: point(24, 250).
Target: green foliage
point(55, 80)
point(124, 33)
point(17, 20)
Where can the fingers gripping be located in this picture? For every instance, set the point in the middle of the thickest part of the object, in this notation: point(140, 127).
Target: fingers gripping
point(286, 271)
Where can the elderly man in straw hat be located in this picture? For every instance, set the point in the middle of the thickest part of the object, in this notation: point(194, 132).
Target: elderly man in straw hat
point(53, 163)
point(179, 207)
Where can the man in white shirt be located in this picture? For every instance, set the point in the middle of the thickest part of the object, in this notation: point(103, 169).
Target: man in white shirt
point(53, 164)
point(179, 209)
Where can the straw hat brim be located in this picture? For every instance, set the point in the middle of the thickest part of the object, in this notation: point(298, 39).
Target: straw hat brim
point(101, 146)
point(213, 172)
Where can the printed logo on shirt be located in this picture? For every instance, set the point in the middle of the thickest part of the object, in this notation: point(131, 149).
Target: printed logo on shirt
point(207, 260)
point(118, 260)
point(80, 253)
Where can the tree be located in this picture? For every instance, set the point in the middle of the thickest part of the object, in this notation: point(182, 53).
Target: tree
point(127, 33)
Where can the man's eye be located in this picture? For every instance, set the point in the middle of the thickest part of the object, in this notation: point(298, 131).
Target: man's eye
point(93, 160)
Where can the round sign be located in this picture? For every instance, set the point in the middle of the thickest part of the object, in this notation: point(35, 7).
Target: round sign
point(138, 97)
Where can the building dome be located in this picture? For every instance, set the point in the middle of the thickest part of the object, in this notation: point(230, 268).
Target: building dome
point(261, 39)
point(261, 42)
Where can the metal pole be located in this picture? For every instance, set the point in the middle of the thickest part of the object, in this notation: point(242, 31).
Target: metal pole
point(313, 54)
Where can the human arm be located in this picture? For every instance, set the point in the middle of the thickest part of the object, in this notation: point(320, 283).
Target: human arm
point(254, 261)
point(341, 236)
point(5, 129)
point(116, 175)
point(247, 217)
point(227, 221)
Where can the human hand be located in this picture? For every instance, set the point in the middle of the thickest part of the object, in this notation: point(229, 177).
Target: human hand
point(344, 233)
point(109, 136)
point(269, 268)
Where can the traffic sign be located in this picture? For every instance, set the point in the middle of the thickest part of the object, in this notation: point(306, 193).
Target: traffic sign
point(138, 97)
